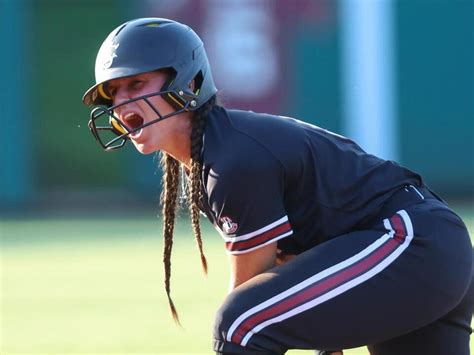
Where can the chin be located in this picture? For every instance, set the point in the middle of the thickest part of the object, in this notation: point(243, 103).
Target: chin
point(145, 149)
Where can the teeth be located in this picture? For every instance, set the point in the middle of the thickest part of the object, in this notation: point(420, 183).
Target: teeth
point(129, 115)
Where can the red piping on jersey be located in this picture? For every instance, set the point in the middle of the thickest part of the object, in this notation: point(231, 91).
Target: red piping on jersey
point(259, 238)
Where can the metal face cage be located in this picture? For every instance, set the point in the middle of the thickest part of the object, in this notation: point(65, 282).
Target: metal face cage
point(111, 133)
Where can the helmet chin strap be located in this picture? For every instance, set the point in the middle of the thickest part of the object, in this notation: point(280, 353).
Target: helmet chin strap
point(119, 128)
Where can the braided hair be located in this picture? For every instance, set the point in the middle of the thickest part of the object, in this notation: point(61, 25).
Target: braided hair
point(170, 192)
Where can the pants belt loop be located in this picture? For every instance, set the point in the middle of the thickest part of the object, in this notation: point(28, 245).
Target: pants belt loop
point(417, 191)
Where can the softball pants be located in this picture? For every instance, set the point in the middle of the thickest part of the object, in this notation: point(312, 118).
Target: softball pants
point(401, 286)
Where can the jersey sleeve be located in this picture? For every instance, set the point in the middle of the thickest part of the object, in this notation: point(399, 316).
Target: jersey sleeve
point(246, 199)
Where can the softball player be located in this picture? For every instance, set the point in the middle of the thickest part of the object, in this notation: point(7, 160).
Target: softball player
point(329, 247)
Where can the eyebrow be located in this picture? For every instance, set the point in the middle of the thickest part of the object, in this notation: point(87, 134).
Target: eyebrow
point(108, 86)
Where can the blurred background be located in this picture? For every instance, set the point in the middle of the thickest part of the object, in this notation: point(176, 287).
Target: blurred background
point(395, 75)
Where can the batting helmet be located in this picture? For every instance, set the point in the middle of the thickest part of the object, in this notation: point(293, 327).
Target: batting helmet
point(145, 45)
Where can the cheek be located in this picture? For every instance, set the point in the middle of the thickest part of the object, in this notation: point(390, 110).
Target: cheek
point(161, 105)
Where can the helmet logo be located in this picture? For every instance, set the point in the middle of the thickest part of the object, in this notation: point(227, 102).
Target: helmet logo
point(111, 55)
point(228, 225)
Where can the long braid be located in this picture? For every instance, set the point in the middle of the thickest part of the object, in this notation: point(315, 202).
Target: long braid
point(169, 196)
point(169, 202)
point(194, 183)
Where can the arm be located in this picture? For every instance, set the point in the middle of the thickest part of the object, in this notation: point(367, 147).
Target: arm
point(245, 266)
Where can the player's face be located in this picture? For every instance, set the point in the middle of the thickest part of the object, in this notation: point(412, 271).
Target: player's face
point(134, 114)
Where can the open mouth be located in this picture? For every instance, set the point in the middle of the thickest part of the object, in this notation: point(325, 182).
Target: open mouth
point(133, 121)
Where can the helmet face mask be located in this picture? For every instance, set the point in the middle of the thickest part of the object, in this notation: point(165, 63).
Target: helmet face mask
point(141, 46)
point(109, 130)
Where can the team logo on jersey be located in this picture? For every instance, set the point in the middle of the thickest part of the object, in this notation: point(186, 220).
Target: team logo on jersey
point(109, 56)
point(228, 226)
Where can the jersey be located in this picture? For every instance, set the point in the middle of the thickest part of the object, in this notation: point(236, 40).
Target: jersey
point(271, 179)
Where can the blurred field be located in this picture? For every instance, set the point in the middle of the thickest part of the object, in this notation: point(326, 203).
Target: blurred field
point(95, 286)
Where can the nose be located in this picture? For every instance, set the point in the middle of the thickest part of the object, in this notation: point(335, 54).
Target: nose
point(120, 96)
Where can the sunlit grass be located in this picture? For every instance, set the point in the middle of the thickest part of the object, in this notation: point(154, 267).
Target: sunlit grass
point(96, 287)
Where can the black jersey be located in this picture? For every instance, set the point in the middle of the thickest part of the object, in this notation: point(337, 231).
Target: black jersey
point(270, 178)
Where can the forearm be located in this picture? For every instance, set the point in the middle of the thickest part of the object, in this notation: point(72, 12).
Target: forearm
point(243, 267)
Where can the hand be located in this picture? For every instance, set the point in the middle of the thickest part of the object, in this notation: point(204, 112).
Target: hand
point(282, 258)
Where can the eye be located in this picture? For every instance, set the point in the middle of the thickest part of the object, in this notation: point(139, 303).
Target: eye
point(136, 84)
point(110, 90)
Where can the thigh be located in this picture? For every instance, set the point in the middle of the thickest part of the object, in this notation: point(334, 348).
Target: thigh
point(357, 289)
point(449, 334)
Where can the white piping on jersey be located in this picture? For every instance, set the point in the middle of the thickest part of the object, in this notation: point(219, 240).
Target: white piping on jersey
point(252, 234)
point(323, 274)
point(388, 227)
point(260, 245)
point(203, 143)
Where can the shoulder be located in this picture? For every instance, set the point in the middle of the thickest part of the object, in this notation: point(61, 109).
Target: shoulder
point(237, 139)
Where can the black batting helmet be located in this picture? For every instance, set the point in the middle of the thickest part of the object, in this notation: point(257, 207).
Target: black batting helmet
point(145, 45)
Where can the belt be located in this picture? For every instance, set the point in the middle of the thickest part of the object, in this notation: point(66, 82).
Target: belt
point(406, 196)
